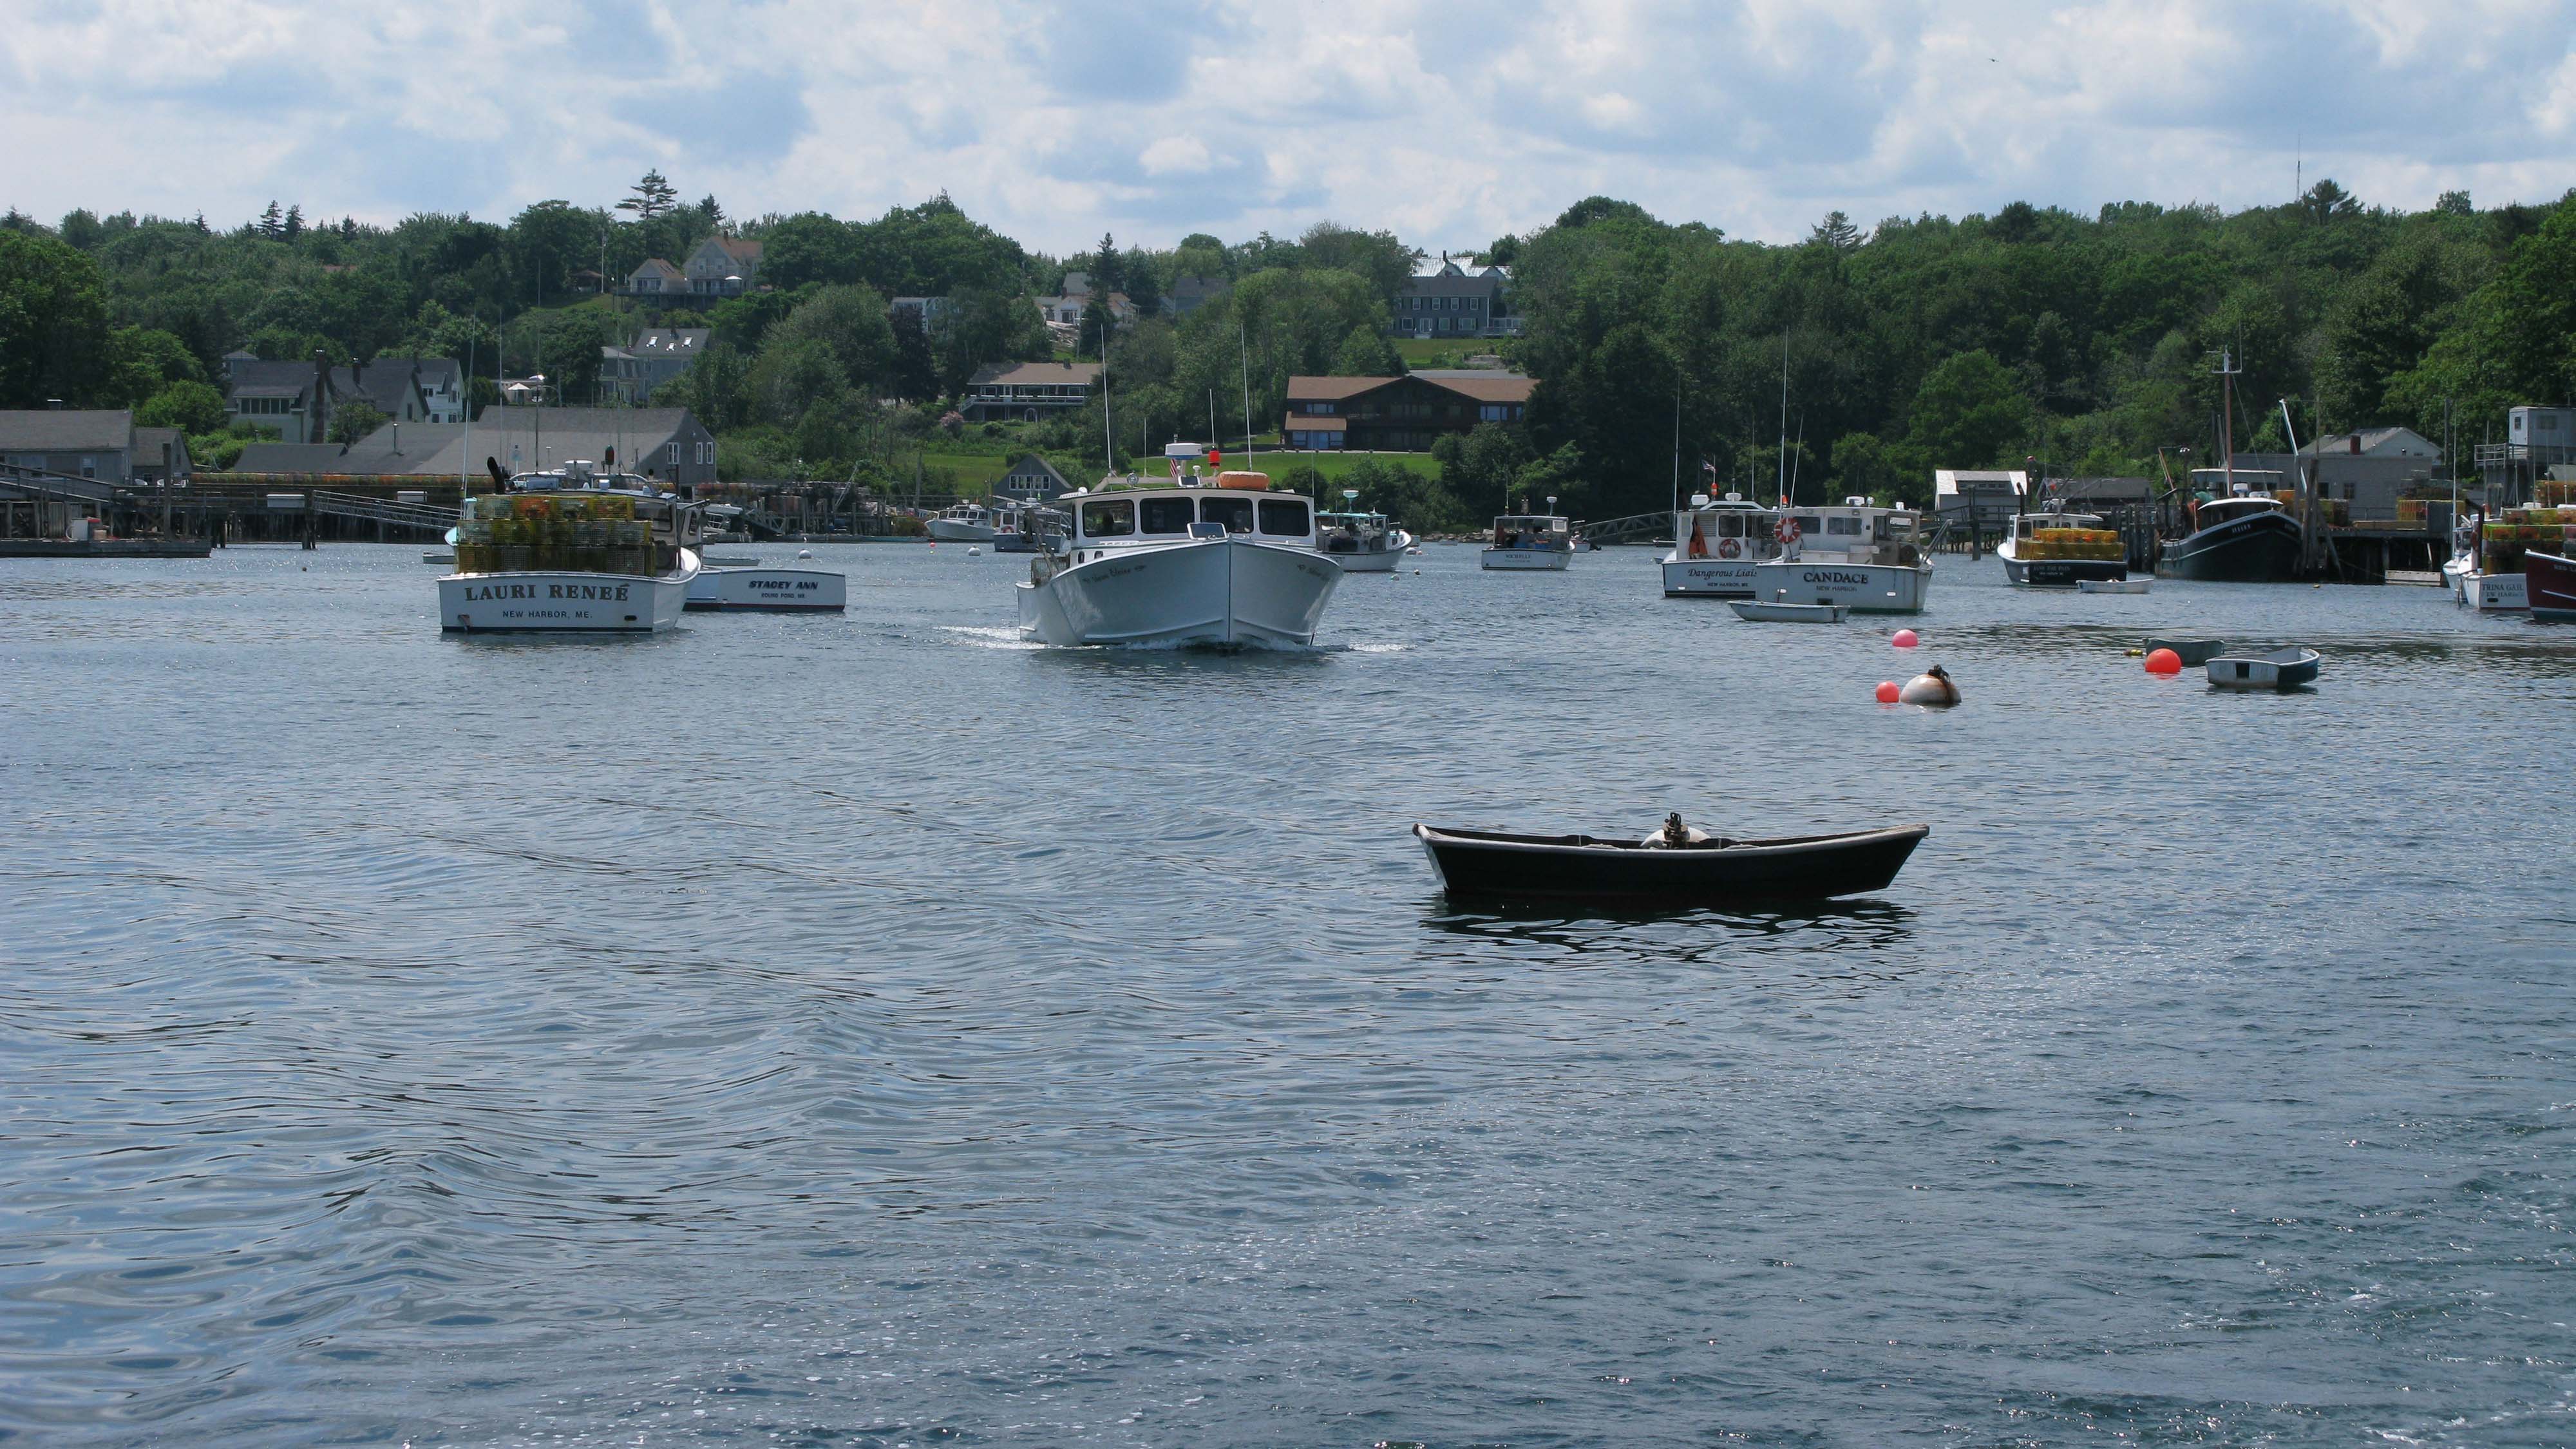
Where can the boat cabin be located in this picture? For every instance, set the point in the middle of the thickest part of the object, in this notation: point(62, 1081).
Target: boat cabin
point(1858, 531)
point(2227, 510)
point(1123, 517)
point(1350, 530)
point(1704, 530)
point(2236, 482)
point(2026, 526)
point(1533, 530)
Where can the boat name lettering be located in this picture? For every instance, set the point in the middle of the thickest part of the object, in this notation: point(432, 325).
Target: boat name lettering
point(615, 592)
point(1832, 576)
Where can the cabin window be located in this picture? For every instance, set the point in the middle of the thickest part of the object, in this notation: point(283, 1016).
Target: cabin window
point(1808, 524)
point(1165, 515)
point(1284, 517)
point(1234, 513)
point(1730, 525)
point(1109, 518)
point(1843, 524)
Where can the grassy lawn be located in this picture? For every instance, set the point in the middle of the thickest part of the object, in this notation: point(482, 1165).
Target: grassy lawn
point(1419, 352)
point(971, 471)
point(1334, 465)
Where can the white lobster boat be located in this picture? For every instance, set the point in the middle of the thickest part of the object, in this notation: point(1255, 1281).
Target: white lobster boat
point(1148, 564)
point(964, 523)
point(1362, 543)
point(771, 590)
point(1530, 541)
point(1715, 547)
point(1854, 553)
point(572, 550)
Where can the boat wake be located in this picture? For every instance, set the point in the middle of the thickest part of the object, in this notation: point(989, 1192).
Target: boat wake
point(978, 636)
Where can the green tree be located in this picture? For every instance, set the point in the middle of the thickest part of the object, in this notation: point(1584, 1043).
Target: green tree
point(851, 323)
point(791, 376)
point(354, 420)
point(653, 196)
point(1367, 353)
point(1375, 257)
point(141, 361)
point(1967, 413)
point(53, 322)
point(811, 247)
point(193, 407)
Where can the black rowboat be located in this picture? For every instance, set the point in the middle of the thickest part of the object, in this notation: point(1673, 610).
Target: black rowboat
point(1493, 865)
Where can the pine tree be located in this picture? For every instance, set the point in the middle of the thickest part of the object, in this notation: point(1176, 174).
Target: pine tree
point(271, 221)
point(654, 196)
point(1107, 275)
point(713, 213)
point(294, 222)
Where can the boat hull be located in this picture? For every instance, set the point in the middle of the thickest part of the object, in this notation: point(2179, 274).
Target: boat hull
point(792, 591)
point(2496, 593)
point(1709, 578)
point(952, 530)
point(1494, 866)
point(1226, 592)
point(2057, 573)
point(1756, 611)
point(2549, 586)
point(1526, 558)
point(1862, 588)
point(2261, 549)
point(536, 602)
point(1369, 561)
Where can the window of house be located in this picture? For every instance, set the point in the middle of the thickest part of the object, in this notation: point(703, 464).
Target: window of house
point(1166, 515)
point(1285, 517)
point(1109, 518)
point(673, 454)
point(1494, 413)
point(1234, 513)
point(89, 467)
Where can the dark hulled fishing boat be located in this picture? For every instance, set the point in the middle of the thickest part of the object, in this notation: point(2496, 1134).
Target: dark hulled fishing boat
point(2244, 540)
point(2550, 581)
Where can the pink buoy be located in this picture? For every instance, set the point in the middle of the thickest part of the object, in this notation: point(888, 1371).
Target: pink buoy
point(1905, 639)
point(1888, 692)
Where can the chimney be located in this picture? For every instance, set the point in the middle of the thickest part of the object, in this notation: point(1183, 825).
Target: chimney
point(2356, 442)
point(397, 440)
point(317, 419)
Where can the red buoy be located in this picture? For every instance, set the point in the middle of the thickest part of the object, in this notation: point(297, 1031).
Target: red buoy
point(1887, 691)
point(1905, 639)
point(2164, 661)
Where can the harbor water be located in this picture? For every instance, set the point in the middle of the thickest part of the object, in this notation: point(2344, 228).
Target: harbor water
point(870, 1030)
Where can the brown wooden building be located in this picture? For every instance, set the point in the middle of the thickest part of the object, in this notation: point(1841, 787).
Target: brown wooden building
point(1399, 414)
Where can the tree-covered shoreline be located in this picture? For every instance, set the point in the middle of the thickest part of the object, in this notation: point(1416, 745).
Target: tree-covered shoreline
point(2088, 341)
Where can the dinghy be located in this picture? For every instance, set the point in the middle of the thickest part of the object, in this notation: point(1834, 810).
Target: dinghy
point(2113, 586)
point(2278, 669)
point(1673, 867)
point(1757, 611)
point(2192, 652)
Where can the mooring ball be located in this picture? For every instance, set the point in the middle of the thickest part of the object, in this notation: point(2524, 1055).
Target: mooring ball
point(1934, 689)
point(1887, 691)
point(1905, 639)
point(2164, 661)
point(804, 553)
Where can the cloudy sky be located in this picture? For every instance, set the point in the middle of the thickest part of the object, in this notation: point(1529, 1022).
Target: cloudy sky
point(1450, 122)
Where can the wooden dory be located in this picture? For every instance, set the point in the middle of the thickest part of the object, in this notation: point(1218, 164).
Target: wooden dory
point(1494, 865)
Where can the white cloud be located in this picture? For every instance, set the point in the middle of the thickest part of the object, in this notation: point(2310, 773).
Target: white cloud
point(1450, 123)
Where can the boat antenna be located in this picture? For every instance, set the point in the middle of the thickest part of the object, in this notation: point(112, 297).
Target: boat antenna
point(1799, 454)
point(1784, 417)
point(1677, 440)
point(2227, 372)
point(464, 478)
point(1108, 450)
point(1243, 341)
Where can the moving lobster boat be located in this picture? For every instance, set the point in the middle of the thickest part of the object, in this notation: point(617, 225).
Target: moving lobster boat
point(1150, 563)
point(962, 523)
point(2056, 549)
point(1675, 866)
point(1362, 543)
point(1857, 554)
point(1530, 541)
point(570, 550)
point(1716, 543)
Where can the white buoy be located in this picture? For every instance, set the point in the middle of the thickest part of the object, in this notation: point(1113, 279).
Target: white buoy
point(1931, 687)
point(804, 553)
point(973, 552)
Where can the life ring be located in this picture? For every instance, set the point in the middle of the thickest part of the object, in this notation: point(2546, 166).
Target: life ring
point(1728, 548)
point(1788, 532)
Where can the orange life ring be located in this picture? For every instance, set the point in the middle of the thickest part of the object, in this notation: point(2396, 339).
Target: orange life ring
point(1788, 531)
point(1728, 548)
